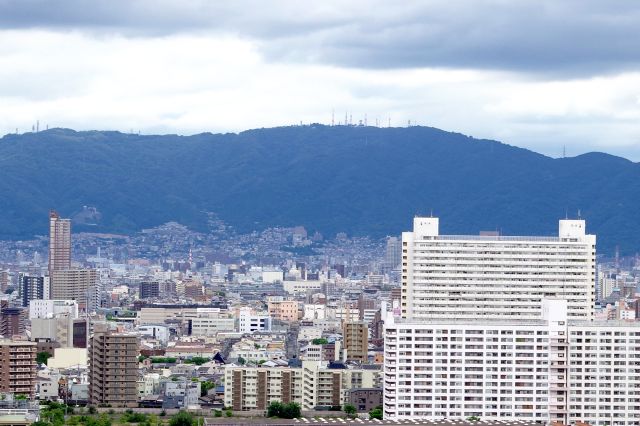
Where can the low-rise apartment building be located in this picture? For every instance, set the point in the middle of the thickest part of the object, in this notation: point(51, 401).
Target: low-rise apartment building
point(316, 384)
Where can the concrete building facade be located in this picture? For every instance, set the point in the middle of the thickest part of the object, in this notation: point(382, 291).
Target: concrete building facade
point(355, 337)
point(76, 284)
point(317, 384)
point(496, 277)
point(18, 367)
point(59, 243)
point(113, 369)
point(548, 370)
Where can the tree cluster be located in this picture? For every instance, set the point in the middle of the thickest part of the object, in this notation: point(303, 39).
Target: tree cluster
point(289, 410)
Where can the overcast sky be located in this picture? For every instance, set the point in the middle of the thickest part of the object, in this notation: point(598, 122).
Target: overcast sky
point(536, 74)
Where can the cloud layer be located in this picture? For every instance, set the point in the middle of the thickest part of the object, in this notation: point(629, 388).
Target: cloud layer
point(542, 74)
point(562, 39)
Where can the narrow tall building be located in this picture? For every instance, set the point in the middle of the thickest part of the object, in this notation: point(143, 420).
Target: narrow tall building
point(478, 277)
point(59, 242)
point(392, 254)
point(113, 368)
point(33, 288)
point(18, 367)
point(355, 335)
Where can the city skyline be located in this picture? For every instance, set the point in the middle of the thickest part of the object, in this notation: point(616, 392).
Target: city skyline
point(322, 213)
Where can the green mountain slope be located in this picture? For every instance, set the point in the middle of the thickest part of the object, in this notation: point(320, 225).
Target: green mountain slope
point(360, 180)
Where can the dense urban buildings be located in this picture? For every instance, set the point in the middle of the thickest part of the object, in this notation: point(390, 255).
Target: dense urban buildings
point(329, 328)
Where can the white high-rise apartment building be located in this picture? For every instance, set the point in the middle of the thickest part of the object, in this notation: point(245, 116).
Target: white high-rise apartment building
point(496, 277)
point(502, 328)
point(550, 370)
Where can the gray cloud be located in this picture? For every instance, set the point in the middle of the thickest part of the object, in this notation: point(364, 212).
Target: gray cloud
point(567, 39)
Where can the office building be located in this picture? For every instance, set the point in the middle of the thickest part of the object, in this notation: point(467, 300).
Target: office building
point(284, 310)
point(76, 284)
point(32, 288)
point(249, 322)
point(355, 335)
point(149, 289)
point(113, 368)
point(496, 277)
point(18, 367)
point(66, 331)
point(59, 243)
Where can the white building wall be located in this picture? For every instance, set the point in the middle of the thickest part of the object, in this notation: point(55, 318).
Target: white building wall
point(496, 277)
point(51, 308)
point(159, 332)
point(210, 326)
point(250, 323)
point(545, 370)
point(312, 311)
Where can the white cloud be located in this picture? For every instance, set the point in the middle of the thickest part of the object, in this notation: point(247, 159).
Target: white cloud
point(191, 83)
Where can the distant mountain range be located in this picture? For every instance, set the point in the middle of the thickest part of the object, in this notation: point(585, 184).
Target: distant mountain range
point(359, 180)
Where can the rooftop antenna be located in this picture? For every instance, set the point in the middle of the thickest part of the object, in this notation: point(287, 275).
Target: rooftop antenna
point(579, 214)
point(566, 212)
point(431, 212)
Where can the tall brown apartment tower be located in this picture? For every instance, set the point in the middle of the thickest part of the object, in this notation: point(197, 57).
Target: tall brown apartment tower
point(59, 243)
point(75, 284)
point(18, 366)
point(355, 335)
point(113, 368)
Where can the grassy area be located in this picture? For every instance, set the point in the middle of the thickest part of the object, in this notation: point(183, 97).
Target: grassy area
point(56, 414)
